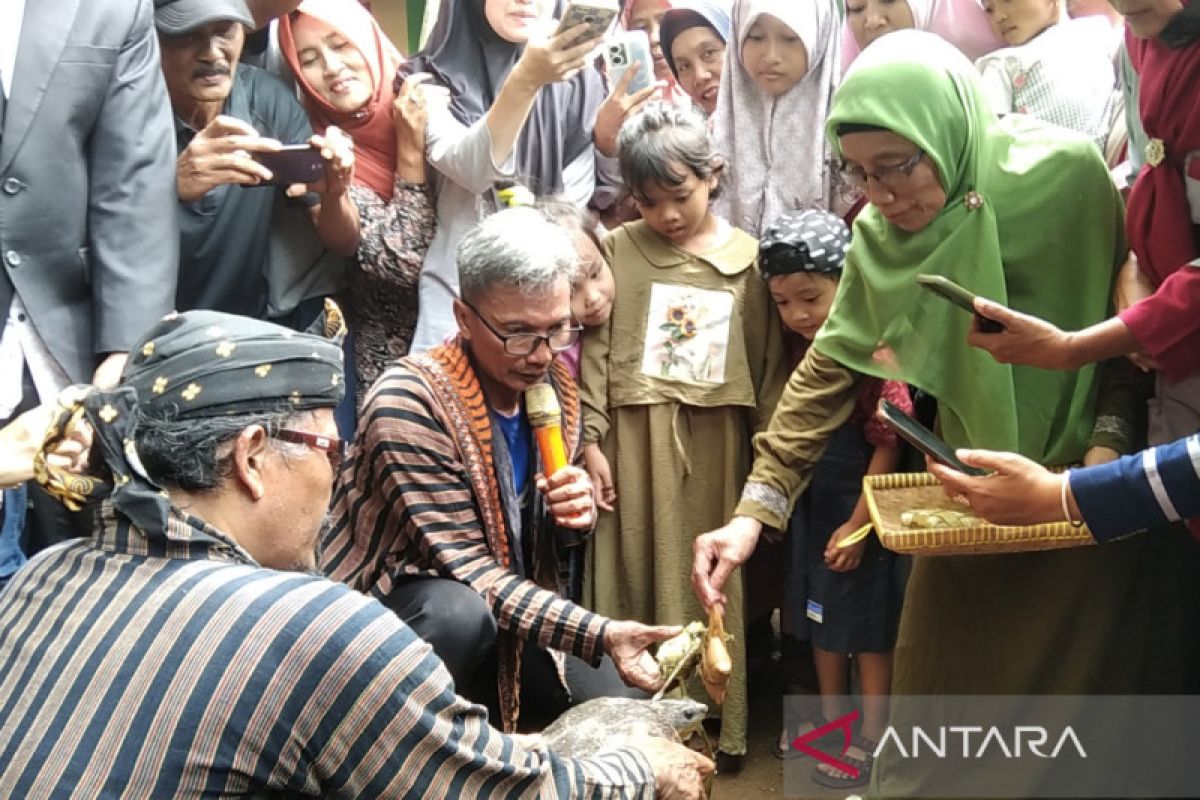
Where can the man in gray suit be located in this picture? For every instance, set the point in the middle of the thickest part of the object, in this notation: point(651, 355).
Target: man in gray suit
point(88, 235)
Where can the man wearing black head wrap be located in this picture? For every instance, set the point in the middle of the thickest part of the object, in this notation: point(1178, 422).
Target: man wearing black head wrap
point(186, 649)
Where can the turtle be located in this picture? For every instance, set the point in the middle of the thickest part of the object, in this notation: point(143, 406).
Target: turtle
point(607, 723)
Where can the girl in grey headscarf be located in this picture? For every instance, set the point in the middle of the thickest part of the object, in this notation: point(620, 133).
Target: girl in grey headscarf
point(779, 79)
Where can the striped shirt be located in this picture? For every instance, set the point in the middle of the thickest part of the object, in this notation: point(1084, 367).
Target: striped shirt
point(1140, 491)
point(177, 667)
point(409, 503)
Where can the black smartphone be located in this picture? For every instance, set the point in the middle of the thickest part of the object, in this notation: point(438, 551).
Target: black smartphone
point(293, 163)
point(949, 290)
point(924, 439)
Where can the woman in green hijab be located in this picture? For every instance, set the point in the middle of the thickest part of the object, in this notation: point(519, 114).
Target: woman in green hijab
point(1022, 212)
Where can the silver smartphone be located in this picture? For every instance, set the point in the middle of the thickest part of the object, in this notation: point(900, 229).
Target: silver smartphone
point(621, 52)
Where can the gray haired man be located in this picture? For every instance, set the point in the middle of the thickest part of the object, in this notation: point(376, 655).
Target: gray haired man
point(443, 513)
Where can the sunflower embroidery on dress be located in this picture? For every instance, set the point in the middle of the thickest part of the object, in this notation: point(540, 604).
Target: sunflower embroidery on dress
point(687, 333)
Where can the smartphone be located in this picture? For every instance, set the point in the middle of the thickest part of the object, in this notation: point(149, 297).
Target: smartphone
point(293, 163)
point(598, 15)
point(622, 52)
point(924, 439)
point(949, 290)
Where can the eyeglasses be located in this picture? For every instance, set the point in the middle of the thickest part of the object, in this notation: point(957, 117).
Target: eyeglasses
point(891, 177)
point(333, 448)
point(523, 344)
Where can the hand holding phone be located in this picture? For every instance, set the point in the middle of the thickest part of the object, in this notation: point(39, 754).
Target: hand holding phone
point(923, 439)
point(630, 51)
point(292, 163)
point(949, 290)
point(597, 15)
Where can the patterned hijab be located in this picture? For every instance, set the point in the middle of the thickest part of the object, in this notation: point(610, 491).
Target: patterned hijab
point(962, 23)
point(371, 126)
point(1031, 219)
point(197, 364)
point(464, 54)
point(776, 155)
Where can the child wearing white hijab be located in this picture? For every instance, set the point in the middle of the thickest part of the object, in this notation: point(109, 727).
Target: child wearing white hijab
point(781, 69)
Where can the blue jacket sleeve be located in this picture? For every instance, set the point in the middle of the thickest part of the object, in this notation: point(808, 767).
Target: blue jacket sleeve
point(1140, 491)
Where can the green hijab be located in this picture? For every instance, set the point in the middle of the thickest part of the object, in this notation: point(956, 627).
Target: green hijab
point(1047, 240)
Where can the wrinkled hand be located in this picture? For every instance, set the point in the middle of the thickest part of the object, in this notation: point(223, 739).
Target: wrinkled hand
point(679, 772)
point(411, 107)
point(108, 374)
point(1017, 492)
point(221, 154)
point(21, 439)
point(569, 498)
point(547, 60)
point(338, 151)
point(618, 107)
point(844, 559)
point(628, 645)
point(718, 553)
point(1025, 339)
point(598, 470)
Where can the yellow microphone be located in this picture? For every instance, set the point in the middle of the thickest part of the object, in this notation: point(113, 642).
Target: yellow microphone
point(545, 417)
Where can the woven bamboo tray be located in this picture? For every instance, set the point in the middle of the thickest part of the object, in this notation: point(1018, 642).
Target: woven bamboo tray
point(888, 496)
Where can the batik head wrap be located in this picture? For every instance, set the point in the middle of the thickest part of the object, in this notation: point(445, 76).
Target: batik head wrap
point(1031, 219)
point(193, 365)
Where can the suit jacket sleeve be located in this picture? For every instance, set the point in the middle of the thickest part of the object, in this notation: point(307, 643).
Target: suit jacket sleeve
point(133, 232)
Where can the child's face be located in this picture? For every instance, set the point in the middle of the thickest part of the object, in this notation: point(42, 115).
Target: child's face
point(774, 56)
point(1018, 21)
point(677, 212)
point(592, 297)
point(803, 300)
point(870, 19)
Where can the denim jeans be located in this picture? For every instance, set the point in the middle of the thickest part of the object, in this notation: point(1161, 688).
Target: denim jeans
point(12, 525)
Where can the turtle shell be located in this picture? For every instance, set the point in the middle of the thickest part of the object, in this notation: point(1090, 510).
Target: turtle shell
point(608, 723)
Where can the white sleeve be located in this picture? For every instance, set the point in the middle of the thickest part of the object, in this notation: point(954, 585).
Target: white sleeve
point(464, 155)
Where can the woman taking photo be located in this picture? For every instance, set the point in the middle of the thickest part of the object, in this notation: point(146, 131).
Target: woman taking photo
point(345, 67)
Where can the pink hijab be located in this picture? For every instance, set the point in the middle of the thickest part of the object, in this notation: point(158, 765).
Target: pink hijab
point(962, 23)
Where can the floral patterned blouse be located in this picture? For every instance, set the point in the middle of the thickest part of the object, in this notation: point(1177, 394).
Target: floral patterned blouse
point(383, 287)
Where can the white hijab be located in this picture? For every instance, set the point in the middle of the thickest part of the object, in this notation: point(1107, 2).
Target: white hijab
point(777, 158)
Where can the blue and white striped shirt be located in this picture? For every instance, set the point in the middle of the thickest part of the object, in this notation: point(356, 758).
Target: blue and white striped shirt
point(1140, 491)
point(177, 667)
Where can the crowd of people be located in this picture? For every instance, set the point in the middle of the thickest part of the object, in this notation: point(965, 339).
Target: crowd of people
point(277, 517)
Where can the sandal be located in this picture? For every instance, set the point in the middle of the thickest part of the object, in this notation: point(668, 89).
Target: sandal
point(823, 774)
point(782, 748)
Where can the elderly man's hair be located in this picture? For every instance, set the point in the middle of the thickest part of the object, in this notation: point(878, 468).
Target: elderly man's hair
point(516, 247)
point(192, 454)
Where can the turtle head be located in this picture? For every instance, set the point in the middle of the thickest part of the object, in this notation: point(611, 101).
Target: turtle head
point(684, 715)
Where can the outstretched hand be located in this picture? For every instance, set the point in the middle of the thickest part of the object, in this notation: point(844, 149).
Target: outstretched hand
point(628, 645)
